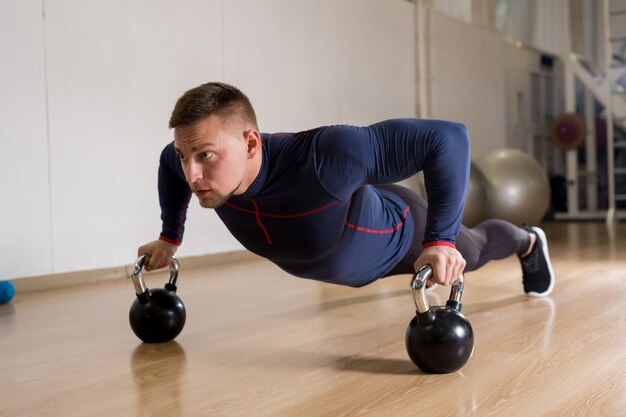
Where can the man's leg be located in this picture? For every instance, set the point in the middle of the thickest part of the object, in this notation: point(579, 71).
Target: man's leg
point(489, 240)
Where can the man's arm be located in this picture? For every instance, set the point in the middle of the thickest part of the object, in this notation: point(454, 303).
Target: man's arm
point(394, 150)
point(174, 195)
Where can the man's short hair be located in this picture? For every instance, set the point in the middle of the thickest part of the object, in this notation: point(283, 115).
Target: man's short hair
point(209, 99)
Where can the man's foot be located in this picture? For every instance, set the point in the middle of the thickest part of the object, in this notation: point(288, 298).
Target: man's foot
point(537, 270)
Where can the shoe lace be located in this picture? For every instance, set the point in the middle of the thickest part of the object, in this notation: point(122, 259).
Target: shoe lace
point(531, 262)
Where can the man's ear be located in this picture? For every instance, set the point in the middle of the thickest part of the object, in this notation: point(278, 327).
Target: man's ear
point(253, 142)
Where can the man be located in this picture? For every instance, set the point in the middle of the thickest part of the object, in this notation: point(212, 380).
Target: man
point(321, 204)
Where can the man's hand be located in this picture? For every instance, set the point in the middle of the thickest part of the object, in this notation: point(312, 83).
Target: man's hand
point(159, 252)
point(447, 263)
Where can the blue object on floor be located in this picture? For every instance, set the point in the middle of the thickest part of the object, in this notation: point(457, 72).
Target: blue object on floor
point(7, 291)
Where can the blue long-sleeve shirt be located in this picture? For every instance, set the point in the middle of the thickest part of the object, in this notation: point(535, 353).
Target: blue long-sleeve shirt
point(314, 209)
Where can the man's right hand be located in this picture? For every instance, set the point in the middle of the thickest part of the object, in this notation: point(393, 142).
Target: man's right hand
point(447, 263)
point(159, 252)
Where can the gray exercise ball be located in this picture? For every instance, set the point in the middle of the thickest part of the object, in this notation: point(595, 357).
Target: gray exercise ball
point(476, 199)
point(415, 183)
point(518, 189)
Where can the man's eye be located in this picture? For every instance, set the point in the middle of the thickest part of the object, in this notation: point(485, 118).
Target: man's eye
point(206, 155)
point(181, 157)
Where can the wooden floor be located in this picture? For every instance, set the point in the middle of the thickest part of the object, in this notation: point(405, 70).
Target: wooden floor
point(261, 343)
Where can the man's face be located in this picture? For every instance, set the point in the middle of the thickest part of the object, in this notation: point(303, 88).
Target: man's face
point(214, 158)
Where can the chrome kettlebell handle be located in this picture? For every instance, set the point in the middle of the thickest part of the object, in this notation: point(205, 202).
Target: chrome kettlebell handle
point(137, 273)
point(418, 285)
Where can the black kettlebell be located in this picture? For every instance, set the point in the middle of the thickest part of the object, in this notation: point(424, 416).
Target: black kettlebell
point(439, 339)
point(156, 315)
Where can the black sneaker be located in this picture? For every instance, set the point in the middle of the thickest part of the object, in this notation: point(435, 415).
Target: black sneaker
point(537, 270)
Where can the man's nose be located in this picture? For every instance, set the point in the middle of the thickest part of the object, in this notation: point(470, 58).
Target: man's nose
point(194, 172)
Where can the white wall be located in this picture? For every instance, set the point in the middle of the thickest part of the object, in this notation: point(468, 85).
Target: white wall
point(25, 240)
point(112, 79)
point(81, 194)
point(468, 67)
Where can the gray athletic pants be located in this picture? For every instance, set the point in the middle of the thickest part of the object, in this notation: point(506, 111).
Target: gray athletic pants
point(491, 239)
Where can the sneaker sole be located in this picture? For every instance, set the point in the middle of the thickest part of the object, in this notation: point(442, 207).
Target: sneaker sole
point(544, 240)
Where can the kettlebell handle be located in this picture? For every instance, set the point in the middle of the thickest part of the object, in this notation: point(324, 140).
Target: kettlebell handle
point(418, 285)
point(137, 273)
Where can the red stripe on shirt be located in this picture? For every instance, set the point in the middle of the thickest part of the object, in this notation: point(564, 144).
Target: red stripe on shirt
point(281, 216)
point(380, 232)
point(168, 240)
point(438, 243)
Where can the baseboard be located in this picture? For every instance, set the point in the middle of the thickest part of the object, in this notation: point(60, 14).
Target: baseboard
point(54, 281)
